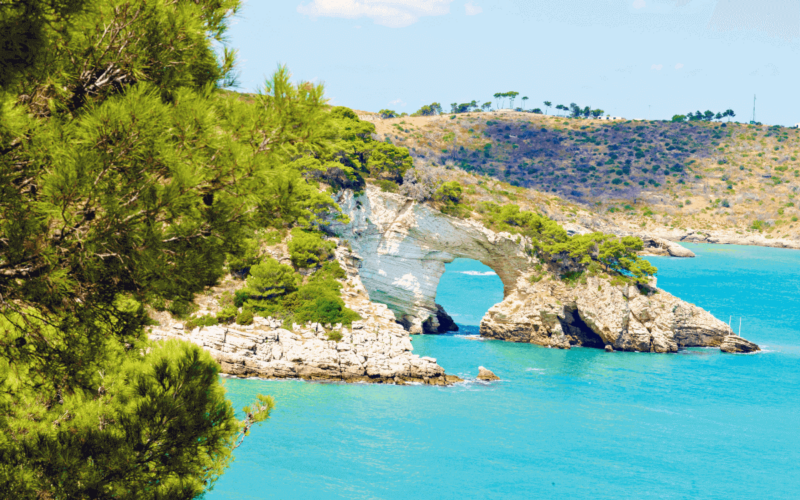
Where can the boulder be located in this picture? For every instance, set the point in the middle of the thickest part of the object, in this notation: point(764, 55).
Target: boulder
point(484, 374)
point(735, 344)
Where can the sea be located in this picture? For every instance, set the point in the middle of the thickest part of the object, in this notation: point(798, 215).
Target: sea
point(576, 424)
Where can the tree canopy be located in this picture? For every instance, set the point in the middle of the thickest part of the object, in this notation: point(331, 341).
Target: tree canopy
point(127, 176)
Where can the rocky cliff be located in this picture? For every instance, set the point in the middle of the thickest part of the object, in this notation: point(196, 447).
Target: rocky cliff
point(400, 248)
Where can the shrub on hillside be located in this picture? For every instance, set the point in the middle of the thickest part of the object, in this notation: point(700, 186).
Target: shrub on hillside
point(308, 249)
point(449, 192)
point(271, 279)
point(245, 317)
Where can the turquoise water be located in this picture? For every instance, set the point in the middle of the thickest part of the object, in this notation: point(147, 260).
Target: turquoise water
point(578, 424)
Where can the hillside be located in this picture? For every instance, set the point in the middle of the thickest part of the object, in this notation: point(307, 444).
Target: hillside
point(701, 176)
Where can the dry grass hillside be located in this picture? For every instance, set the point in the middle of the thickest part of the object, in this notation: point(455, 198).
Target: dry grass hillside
point(639, 174)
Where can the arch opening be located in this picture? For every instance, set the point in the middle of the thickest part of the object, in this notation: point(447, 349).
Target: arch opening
point(466, 290)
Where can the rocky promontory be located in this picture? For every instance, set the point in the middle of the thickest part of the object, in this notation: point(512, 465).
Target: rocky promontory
point(401, 247)
point(596, 313)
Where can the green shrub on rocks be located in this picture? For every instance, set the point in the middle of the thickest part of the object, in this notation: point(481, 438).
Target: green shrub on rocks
point(206, 320)
point(616, 255)
point(228, 314)
point(245, 317)
point(268, 280)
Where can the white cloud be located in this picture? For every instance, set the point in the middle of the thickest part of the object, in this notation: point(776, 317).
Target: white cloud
point(639, 4)
point(679, 66)
point(398, 102)
point(657, 67)
point(473, 9)
point(391, 13)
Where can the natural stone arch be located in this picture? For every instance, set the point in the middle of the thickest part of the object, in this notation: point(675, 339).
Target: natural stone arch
point(403, 247)
point(400, 248)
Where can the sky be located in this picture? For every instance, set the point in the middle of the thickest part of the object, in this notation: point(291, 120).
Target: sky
point(632, 58)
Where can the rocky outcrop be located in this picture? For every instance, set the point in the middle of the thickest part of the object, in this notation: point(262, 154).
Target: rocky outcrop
point(376, 349)
point(367, 352)
point(734, 344)
point(598, 314)
point(486, 374)
point(402, 247)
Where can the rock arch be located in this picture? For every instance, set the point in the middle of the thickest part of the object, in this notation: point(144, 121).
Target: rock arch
point(402, 247)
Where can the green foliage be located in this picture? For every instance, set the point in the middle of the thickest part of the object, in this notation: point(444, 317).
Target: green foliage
point(125, 168)
point(335, 335)
point(617, 255)
point(245, 317)
point(227, 314)
point(449, 192)
point(206, 320)
point(318, 300)
point(308, 249)
point(268, 280)
point(241, 296)
point(387, 186)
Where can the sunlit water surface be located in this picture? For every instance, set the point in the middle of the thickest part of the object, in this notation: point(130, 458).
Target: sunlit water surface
point(578, 424)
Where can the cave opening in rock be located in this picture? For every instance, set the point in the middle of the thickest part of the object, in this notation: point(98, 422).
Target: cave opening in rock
point(578, 332)
point(466, 290)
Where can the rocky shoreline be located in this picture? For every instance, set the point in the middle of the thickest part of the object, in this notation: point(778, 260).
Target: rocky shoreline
point(375, 349)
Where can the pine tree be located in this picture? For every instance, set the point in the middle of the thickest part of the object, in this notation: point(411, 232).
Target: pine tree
point(126, 176)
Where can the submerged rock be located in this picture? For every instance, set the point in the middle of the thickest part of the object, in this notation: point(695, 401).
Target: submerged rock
point(735, 344)
point(484, 374)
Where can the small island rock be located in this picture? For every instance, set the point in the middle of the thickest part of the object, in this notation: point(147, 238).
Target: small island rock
point(484, 374)
point(736, 344)
point(609, 348)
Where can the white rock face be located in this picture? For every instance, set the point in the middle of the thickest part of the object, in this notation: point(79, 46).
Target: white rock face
point(403, 247)
point(375, 349)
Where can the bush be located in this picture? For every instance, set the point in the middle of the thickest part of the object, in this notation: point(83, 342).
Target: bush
point(227, 314)
point(387, 186)
point(245, 317)
point(270, 279)
point(307, 249)
point(240, 297)
point(449, 192)
point(180, 308)
point(336, 336)
point(207, 320)
point(239, 264)
point(726, 203)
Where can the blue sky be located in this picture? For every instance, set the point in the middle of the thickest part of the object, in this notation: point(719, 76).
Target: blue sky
point(631, 58)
